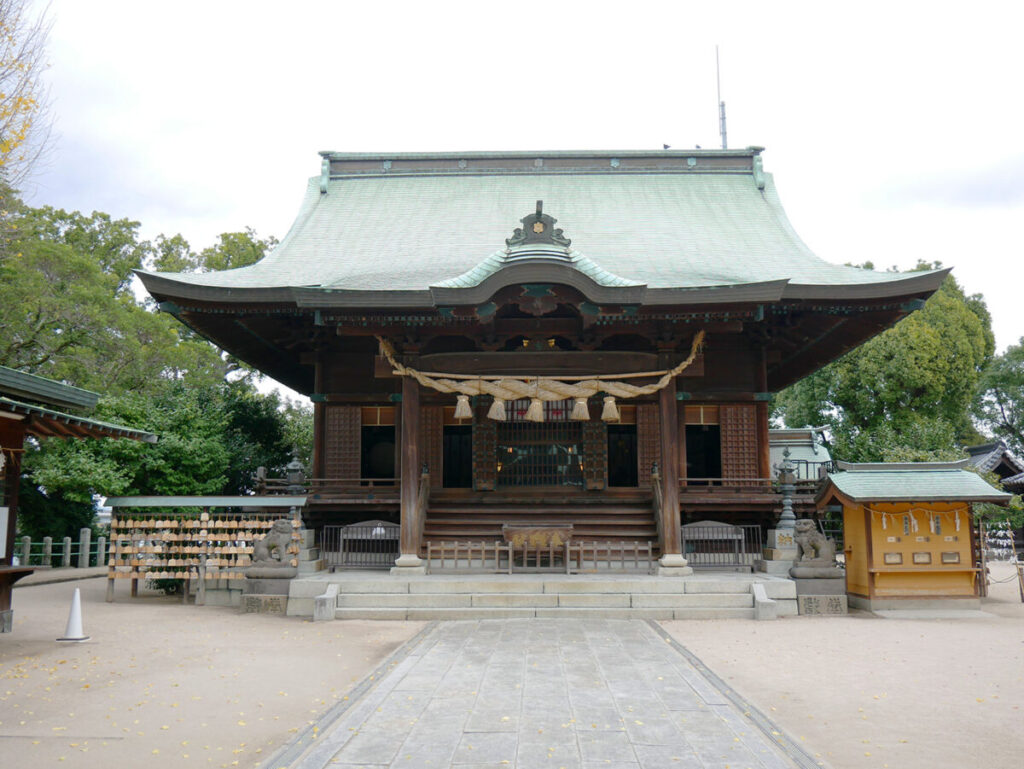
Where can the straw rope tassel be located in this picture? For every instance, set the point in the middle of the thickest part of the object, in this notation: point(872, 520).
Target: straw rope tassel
point(610, 412)
point(543, 389)
point(536, 411)
point(580, 412)
point(462, 409)
point(497, 410)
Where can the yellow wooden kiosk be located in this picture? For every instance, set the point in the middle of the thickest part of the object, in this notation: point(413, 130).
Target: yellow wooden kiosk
point(908, 533)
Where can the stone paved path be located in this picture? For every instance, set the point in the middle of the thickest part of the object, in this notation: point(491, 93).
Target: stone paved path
point(494, 694)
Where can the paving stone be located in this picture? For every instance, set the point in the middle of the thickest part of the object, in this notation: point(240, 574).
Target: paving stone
point(369, 747)
point(657, 730)
point(666, 756)
point(496, 720)
point(547, 754)
point(600, 745)
point(544, 693)
point(486, 747)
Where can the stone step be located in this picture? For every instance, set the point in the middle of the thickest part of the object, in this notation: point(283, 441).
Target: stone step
point(483, 612)
point(309, 587)
point(544, 600)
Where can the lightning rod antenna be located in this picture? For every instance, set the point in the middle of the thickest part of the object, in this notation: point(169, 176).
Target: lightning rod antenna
point(721, 104)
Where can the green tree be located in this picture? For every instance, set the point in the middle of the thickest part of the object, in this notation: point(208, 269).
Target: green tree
point(211, 440)
point(66, 310)
point(232, 250)
point(999, 406)
point(906, 394)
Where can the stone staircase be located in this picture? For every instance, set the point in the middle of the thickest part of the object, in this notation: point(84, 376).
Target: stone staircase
point(449, 597)
point(616, 520)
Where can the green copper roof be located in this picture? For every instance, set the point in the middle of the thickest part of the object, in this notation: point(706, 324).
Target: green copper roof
point(36, 388)
point(208, 501)
point(913, 482)
point(386, 225)
point(43, 422)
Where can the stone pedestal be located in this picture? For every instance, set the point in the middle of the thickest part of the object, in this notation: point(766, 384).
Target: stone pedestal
point(672, 565)
point(821, 605)
point(266, 594)
point(820, 588)
point(264, 604)
point(773, 567)
point(778, 556)
point(781, 539)
point(408, 564)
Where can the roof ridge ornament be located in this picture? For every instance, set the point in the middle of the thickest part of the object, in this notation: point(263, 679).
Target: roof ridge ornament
point(538, 227)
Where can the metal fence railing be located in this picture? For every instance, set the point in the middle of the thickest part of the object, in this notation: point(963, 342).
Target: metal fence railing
point(363, 545)
point(713, 545)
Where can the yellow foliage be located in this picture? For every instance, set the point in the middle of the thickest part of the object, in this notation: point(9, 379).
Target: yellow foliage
point(22, 93)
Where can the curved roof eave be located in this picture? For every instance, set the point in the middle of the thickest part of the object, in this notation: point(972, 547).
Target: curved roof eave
point(912, 283)
point(162, 286)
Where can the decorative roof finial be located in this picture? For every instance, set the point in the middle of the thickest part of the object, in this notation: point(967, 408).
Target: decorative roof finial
point(538, 228)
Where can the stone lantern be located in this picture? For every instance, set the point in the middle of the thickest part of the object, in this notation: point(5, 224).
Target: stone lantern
point(295, 474)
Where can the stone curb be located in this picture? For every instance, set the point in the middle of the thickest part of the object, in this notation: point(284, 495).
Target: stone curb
point(775, 734)
point(53, 576)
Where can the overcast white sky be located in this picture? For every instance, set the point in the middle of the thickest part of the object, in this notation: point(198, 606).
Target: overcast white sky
point(894, 130)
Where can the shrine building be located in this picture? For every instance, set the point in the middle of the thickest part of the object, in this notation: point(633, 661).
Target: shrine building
point(588, 339)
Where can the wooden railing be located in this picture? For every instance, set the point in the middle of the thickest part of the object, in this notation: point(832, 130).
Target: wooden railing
point(326, 486)
point(739, 485)
point(573, 556)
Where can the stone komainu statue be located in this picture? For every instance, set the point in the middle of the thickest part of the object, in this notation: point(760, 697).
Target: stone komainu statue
point(811, 544)
point(272, 550)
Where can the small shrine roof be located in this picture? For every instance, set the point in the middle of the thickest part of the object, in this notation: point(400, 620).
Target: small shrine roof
point(995, 457)
point(1015, 483)
point(39, 389)
point(384, 229)
point(912, 482)
point(46, 423)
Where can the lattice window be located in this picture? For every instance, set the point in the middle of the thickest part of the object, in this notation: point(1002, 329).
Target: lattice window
point(484, 448)
point(342, 439)
point(548, 453)
point(554, 411)
point(739, 440)
point(648, 439)
point(595, 454)
point(431, 418)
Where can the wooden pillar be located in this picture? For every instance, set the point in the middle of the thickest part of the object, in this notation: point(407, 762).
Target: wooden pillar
point(670, 544)
point(319, 468)
point(410, 474)
point(12, 436)
point(764, 457)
